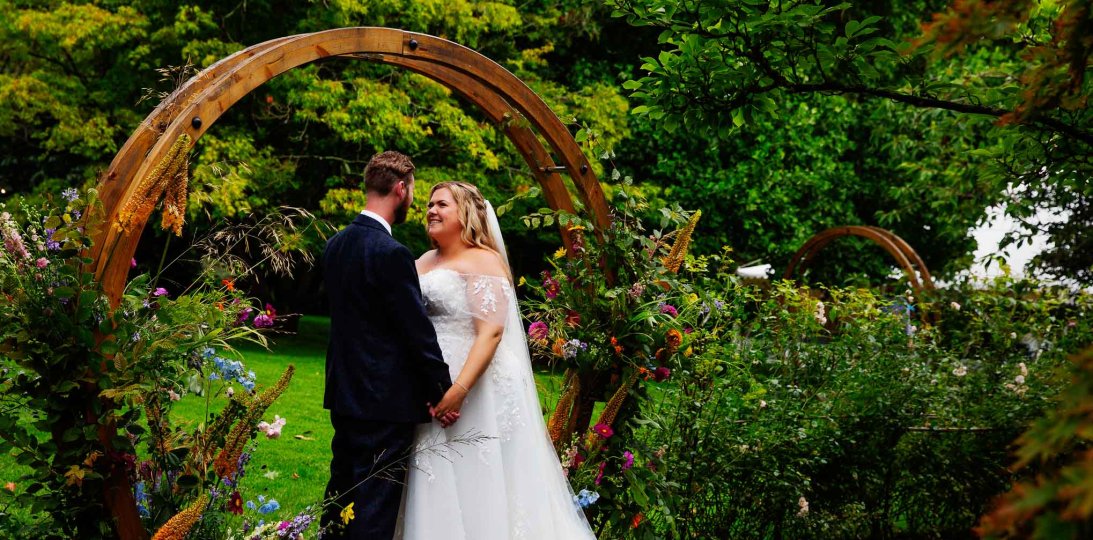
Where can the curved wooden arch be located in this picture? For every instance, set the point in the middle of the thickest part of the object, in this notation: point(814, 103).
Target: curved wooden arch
point(907, 258)
point(195, 106)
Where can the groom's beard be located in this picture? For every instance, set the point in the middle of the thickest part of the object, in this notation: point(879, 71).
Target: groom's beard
point(402, 211)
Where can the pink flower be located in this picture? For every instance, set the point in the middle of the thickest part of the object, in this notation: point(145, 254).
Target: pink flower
point(160, 291)
point(538, 330)
point(273, 430)
point(599, 475)
point(42, 262)
point(133, 262)
point(669, 309)
point(603, 430)
point(173, 395)
point(628, 458)
point(551, 285)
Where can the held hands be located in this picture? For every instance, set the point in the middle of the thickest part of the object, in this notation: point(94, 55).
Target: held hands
point(447, 411)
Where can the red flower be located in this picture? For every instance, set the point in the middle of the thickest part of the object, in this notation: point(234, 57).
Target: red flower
point(661, 374)
point(235, 504)
point(603, 430)
point(573, 319)
point(577, 460)
point(638, 518)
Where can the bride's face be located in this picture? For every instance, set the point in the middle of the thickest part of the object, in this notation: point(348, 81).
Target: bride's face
point(442, 219)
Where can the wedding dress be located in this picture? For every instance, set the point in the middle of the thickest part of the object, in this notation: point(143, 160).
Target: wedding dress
point(508, 484)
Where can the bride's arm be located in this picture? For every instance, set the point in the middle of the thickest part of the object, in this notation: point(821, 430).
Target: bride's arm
point(489, 303)
point(487, 337)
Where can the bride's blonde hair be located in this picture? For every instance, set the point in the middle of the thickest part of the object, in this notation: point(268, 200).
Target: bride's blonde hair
point(471, 207)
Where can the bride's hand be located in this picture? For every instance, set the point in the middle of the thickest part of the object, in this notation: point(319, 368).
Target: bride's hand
point(452, 402)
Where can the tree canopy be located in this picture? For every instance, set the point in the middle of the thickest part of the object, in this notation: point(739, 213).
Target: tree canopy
point(777, 119)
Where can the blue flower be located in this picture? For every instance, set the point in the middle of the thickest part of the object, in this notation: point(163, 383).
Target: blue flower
point(251, 505)
point(271, 506)
point(586, 498)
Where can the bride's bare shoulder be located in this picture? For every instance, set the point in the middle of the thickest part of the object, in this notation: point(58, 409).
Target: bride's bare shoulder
point(425, 262)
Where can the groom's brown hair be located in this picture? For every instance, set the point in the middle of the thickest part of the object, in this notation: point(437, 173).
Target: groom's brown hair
point(386, 169)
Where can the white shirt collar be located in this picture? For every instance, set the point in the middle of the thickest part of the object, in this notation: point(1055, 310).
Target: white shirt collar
point(377, 217)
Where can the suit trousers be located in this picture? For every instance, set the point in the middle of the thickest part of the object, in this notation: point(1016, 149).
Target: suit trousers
point(369, 470)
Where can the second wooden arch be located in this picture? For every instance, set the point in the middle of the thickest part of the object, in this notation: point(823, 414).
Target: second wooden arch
point(906, 257)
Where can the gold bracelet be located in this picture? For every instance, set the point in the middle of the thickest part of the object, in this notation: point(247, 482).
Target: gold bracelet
point(461, 385)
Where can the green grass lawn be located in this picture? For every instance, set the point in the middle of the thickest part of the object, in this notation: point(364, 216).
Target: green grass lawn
point(293, 468)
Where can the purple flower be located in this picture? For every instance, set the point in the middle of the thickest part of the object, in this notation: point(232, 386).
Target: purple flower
point(243, 316)
point(133, 262)
point(669, 309)
point(628, 458)
point(538, 330)
point(599, 475)
point(263, 321)
point(160, 291)
point(70, 194)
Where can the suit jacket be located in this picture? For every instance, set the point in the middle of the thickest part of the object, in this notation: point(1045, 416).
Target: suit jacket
point(383, 362)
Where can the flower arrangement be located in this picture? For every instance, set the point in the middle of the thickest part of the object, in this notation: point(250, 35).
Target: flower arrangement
point(84, 384)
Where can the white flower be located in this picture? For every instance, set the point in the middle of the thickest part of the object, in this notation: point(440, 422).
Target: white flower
point(955, 306)
point(762, 404)
point(1020, 379)
point(821, 313)
point(1023, 368)
point(1013, 335)
point(802, 505)
point(173, 395)
point(230, 391)
point(960, 371)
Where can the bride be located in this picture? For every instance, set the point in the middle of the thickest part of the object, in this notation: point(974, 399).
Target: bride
point(510, 483)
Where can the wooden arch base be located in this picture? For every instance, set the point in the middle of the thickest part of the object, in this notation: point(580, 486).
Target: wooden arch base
point(900, 250)
point(195, 106)
point(533, 128)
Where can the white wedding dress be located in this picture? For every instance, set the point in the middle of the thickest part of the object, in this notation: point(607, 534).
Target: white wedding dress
point(509, 484)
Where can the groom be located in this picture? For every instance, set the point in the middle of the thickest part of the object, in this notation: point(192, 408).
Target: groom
point(384, 369)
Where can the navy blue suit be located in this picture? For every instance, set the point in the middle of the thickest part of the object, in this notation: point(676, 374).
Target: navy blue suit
point(383, 365)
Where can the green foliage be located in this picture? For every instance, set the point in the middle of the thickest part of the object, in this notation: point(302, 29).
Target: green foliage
point(796, 412)
point(941, 137)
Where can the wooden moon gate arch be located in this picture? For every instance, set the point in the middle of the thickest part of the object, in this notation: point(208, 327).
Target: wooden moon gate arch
point(901, 251)
point(198, 103)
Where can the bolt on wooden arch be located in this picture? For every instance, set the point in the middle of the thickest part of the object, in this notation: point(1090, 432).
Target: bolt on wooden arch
point(195, 106)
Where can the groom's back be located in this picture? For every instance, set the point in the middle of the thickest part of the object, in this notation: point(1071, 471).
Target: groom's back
point(367, 373)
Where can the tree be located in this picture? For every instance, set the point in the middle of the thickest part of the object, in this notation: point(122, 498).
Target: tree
point(1003, 121)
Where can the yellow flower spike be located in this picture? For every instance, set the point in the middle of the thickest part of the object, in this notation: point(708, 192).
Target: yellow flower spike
point(165, 174)
point(522, 282)
point(678, 252)
point(687, 353)
point(179, 526)
point(347, 514)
